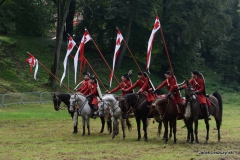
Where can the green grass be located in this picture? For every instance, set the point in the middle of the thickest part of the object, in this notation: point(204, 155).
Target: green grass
point(36, 131)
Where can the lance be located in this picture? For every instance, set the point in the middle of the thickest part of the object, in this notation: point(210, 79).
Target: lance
point(131, 54)
point(165, 47)
point(104, 59)
point(54, 76)
point(91, 69)
point(169, 61)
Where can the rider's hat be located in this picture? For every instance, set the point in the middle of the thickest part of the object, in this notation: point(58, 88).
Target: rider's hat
point(144, 73)
point(168, 73)
point(195, 72)
point(86, 73)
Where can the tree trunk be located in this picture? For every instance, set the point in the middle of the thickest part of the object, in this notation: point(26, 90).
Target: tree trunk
point(126, 37)
point(69, 20)
point(62, 11)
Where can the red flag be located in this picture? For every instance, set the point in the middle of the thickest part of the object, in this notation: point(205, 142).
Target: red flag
point(33, 62)
point(86, 37)
point(117, 47)
point(156, 27)
point(71, 44)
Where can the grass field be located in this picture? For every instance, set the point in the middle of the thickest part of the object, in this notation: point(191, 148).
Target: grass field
point(37, 131)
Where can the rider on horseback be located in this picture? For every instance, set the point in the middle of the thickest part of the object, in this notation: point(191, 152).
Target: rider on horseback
point(85, 84)
point(144, 84)
point(125, 84)
point(170, 83)
point(92, 93)
point(199, 87)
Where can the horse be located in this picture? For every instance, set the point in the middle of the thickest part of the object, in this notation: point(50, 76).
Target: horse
point(165, 109)
point(195, 113)
point(109, 107)
point(138, 104)
point(58, 99)
point(65, 98)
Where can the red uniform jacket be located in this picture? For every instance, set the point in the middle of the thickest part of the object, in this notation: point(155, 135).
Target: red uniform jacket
point(92, 91)
point(172, 87)
point(143, 84)
point(123, 85)
point(198, 85)
point(84, 86)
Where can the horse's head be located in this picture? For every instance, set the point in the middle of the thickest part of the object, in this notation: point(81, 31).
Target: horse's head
point(73, 102)
point(123, 104)
point(56, 101)
point(159, 107)
point(108, 102)
point(190, 93)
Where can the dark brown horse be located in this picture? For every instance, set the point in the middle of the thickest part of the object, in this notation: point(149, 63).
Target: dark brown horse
point(165, 109)
point(59, 98)
point(194, 112)
point(138, 104)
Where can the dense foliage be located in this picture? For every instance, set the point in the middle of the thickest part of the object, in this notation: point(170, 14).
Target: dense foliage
point(198, 33)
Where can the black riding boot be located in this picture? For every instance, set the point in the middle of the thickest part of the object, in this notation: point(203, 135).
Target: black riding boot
point(124, 115)
point(95, 111)
point(206, 111)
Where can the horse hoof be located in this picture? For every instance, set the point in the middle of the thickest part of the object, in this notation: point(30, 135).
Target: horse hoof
point(138, 139)
point(165, 142)
point(219, 141)
point(206, 142)
point(83, 134)
point(174, 142)
point(101, 132)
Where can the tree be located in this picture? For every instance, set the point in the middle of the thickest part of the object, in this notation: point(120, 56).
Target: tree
point(62, 11)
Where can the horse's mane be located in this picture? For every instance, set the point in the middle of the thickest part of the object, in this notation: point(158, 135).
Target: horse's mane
point(64, 98)
point(161, 101)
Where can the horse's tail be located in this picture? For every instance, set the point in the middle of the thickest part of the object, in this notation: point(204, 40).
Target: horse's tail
point(159, 128)
point(129, 125)
point(219, 98)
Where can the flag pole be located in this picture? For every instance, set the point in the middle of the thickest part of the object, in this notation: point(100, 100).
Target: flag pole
point(54, 76)
point(91, 69)
point(95, 74)
point(165, 47)
point(104, 59)
point(131, 53)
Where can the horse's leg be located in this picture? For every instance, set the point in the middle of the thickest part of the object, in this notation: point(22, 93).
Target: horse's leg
point(145, 121)
point(109, 124)
point(174, 126)
point(165, 122)
point(114, 127)
point(138, 128)
point(123, 127)
point(83, 126)
point(207, 127)
point(103, 124)
point(171, 128)
point(75, 122)
point(196, 131)
point(159, 128)
point(218, 124)
point(88, 125)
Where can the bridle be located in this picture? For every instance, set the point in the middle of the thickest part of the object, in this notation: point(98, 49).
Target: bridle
point(129, 109)
point(157, 108)
point(58, 101)
point(75, 104)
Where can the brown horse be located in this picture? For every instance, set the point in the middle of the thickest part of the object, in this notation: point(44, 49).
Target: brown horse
point(165, 109)
point(195, 113)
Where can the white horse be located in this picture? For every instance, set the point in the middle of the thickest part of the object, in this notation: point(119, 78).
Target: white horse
point(109, 107)
point(79, 105)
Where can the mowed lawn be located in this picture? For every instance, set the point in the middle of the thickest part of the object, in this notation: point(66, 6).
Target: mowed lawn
point(35, 131)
